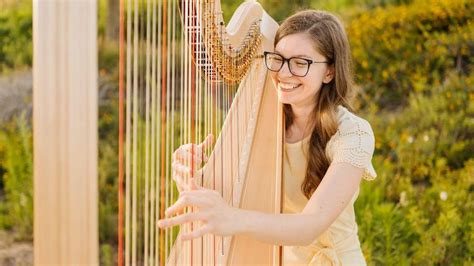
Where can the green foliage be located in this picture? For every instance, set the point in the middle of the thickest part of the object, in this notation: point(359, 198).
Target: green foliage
point(16, 210)
point(348, 7)
point(277, 9)
point(414, 63)
point(410, 48)
point(101, 19)
point(109, 60)
point(108, 165)
point(107, 255)
point(16, 46)
point(419, 211)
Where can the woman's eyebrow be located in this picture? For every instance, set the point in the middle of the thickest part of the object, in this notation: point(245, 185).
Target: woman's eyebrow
point(298, 55)
point(301, 55)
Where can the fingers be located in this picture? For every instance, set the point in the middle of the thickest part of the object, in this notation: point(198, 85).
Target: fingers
point(197, 233)
point(180, 169)
point(183, 170)
point(185, 201)
point(186, 218)
point(193, 185)
point(188, 152)
point(181, 173)
point(189, 155)
point(207, 143)
point(180, 183)
point(203, 193)
point(181, 219)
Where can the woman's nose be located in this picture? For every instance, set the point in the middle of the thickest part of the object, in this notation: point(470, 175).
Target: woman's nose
point(285, 71)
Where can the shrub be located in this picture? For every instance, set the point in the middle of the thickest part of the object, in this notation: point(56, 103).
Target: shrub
point(410, 48)
point(16, 47)
point(420, 209)
point(16, 154)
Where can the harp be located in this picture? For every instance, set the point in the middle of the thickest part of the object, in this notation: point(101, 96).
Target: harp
point(212, 79)
point(183, 74)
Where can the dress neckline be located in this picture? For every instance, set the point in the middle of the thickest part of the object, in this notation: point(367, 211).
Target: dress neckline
point(341, 111)
point(298, 143)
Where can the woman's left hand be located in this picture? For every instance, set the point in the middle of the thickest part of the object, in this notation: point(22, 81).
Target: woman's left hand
point(214, 214)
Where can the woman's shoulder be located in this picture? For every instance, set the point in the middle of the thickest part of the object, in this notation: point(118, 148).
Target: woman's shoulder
point(349, 122)
point(353, 142)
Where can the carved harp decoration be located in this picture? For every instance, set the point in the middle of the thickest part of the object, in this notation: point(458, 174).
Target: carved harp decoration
point(184, 74)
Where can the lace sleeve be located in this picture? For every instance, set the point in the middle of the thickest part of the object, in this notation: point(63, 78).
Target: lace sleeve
point(355, 145)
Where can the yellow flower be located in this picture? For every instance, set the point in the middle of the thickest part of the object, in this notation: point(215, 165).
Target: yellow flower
point(378, 144)
point(392, 144)
point(365, 64)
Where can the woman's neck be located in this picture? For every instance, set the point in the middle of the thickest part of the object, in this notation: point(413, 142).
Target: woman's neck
point(302, 115)
point(302, 121)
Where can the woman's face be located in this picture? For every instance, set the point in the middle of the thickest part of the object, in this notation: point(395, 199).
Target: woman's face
point(300, 91)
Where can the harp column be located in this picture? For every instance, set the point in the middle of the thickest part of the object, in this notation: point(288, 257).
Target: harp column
point(65, 132)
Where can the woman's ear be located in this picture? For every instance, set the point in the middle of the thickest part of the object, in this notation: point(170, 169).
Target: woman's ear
point(329, 74)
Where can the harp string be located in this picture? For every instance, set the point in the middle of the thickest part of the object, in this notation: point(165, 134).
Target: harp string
point(134, 134)
point(153, 170)
point(169, 114)
point(147, 129)
point(128, 135)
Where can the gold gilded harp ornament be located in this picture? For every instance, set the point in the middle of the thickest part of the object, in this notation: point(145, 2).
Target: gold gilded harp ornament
point(184, 74)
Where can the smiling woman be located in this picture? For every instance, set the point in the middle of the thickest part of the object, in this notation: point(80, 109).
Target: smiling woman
point(328, 151)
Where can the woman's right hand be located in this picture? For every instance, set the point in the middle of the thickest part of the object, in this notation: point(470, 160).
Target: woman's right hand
point(187, 160)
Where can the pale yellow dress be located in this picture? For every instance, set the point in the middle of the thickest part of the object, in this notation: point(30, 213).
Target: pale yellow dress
point(353, 143)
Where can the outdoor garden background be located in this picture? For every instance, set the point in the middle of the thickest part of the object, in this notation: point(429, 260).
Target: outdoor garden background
point(414, 69)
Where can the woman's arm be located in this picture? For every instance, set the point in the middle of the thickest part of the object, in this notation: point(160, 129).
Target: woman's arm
point(329, 200)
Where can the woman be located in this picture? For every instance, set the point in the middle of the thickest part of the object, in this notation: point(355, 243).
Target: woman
point(328, 151)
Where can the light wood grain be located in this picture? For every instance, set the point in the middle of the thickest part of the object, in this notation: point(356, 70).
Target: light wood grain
point(65, 132)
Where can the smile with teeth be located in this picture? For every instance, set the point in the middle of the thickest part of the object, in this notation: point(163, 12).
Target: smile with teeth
point(287, 86)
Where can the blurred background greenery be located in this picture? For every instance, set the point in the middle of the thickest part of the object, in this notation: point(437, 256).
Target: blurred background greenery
point(414, 70)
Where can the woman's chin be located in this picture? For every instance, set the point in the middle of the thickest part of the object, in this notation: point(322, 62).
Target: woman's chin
point(285, 97)
point(285, 100)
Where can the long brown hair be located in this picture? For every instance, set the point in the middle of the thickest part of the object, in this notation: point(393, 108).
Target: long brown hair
point(330, 40)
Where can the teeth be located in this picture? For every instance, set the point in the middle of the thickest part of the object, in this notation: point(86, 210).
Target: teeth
point(288, 85)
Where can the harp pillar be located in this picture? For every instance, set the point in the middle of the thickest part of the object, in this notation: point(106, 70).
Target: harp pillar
point(65, 132)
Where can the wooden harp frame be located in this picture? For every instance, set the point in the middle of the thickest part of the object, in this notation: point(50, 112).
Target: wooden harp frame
point(65, 132)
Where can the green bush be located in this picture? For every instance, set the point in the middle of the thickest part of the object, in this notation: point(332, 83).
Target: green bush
point(411, 48)
point(108, 165)
point(16, 45)
point(414, 65)
point(16, 209)
point(107, 255)
point(420, 210)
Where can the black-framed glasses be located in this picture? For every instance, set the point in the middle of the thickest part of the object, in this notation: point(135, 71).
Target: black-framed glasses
point(298, 66)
